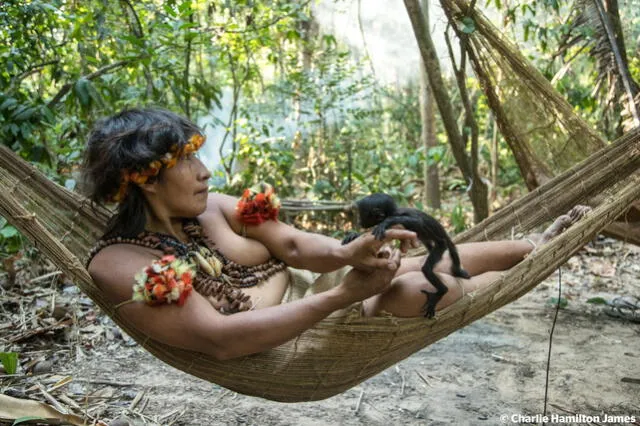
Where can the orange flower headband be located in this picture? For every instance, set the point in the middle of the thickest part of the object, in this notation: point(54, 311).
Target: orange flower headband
point(169, 160)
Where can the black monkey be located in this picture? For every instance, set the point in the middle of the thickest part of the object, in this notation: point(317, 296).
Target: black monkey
point(380, 210)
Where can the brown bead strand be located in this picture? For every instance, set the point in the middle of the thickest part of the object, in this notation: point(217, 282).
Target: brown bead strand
point(227, 286)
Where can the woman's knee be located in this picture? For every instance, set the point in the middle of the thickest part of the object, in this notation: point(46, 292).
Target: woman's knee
point(405, 297)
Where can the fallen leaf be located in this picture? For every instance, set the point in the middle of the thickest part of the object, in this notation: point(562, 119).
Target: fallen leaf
point(602, 268)
point(12, 409)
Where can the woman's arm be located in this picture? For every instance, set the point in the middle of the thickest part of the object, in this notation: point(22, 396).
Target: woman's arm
point(198, 326)
point(307, 250)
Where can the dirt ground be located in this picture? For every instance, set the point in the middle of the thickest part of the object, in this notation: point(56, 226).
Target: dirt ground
point(494, 367)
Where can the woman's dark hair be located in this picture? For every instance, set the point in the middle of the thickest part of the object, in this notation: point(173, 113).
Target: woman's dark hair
point(129, 140)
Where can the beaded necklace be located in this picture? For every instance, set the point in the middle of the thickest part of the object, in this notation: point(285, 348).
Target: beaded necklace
point(217, 277)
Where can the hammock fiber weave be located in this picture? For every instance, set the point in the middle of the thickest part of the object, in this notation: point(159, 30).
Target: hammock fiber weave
point(337, 353)
point(344, 349)
point(540, 126)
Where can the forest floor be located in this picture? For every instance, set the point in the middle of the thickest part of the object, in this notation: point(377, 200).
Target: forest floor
point(494, 367)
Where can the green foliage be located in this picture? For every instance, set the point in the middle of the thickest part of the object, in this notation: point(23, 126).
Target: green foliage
point(26, 419)
point(458, 219)
point(570, 51)
point(306, 116)
point(561, 303)
point(10, 239)
point(9, 362)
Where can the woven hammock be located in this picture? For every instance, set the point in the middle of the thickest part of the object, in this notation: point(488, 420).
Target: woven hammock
point(542, 130)
point(344, 349)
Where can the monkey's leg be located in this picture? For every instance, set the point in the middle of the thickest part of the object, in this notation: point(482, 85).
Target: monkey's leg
point(429, 308)
point(350, 237)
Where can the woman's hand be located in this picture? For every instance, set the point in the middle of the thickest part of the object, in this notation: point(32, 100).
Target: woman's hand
point(361, 284)
point(363, 252)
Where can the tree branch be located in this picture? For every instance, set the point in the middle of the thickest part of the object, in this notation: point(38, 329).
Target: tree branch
point(101, 71)
point(185, 76)
point(436, 82)
point(138, 32)
point(15, 81)
point(364, 40)
point(220, 29)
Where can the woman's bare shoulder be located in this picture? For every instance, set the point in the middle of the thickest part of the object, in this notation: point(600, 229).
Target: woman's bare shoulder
point(190, 326)
point(114, 267)
point(220, 207)
point(219, 203)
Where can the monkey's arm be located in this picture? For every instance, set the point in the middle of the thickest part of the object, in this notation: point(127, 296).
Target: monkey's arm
point(410, 223)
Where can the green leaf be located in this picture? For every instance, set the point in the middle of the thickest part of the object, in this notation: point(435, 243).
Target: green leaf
point(8, 103)
point(292, 35)
point(185, 8)
point(25, 114)
point(468, 25)
point(554, 301)
point(329, 40)
point(26, 419)
point(169, 10)
point(597, 301)
point(93, 93)
point(14, 128)
point(81, 90)
point(9, 361)
point(8, 231)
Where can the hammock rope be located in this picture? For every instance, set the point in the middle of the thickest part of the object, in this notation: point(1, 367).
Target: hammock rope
point(544, 133)
point(344, 349)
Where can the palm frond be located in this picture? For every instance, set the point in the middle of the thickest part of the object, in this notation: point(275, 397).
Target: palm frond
point(590, 25)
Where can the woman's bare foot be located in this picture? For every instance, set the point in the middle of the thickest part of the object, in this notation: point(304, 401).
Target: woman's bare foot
point(559, 225)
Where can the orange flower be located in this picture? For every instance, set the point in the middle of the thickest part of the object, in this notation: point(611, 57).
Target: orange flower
point(166, 280)
point(158, 291)
point(257, 205)
point(186, 279)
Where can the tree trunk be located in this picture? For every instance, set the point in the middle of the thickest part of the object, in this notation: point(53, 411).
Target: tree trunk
point(611, 23)
point(611, 6)
point(431, 197)
point(443, 100)
point(494, 160)
point(428, 136)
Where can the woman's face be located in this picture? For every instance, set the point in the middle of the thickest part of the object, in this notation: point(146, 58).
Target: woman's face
point(183, 189)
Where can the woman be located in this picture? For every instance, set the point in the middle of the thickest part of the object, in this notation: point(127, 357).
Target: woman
point(145, 161)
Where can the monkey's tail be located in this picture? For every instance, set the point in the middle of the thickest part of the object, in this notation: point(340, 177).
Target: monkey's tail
point(456, 267)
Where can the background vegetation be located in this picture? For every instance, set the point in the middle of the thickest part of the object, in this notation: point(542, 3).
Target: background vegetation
point(303, 113)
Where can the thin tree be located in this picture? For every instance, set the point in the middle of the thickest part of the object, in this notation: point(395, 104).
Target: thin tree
point(428, 136)
point(477, 187)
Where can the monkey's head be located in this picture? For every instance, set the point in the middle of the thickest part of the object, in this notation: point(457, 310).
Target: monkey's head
point(375, 208)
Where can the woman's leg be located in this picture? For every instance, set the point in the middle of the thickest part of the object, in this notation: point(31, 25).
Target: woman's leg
point(476, 258)
point(485, 256)
point(483, 260)
point(405, 299)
